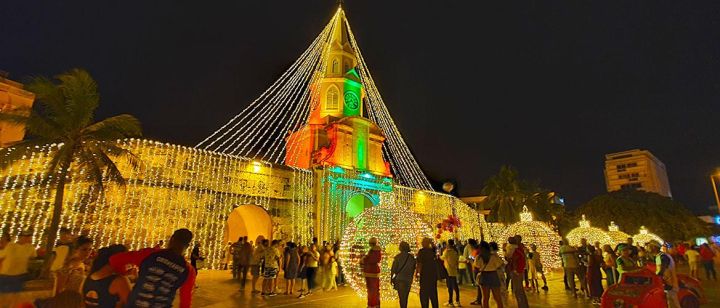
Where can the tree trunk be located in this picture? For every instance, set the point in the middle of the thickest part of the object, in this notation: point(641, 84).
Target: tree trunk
point(55, 222)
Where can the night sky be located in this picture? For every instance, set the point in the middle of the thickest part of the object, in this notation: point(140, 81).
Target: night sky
point(548, 88)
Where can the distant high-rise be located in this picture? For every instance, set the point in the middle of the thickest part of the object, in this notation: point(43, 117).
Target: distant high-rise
point(12, 99)
point(636, 170)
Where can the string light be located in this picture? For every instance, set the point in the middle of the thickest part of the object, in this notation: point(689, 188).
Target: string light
point(645, 237)
point(390, 224)
point(197, 188)
point(616, 235)
point(591, 234)
point(538, 233)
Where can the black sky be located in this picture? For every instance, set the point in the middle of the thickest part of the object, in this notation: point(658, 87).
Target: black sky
point(548, 87)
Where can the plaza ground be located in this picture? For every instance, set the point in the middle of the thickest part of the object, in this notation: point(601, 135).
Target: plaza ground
point(217, 289)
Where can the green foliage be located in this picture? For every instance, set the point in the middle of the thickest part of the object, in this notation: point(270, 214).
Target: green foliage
point(63, 114)
point(631, 209)
point(507, 194)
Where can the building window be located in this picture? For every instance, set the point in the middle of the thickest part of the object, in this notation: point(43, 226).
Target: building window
point(631, 186)
point(331, 102)
point(335, 66)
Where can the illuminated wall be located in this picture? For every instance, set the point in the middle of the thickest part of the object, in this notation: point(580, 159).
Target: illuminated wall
point(177, 187)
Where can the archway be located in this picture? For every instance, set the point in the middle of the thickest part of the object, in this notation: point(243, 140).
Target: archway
point(357, 204)
point(248, 220)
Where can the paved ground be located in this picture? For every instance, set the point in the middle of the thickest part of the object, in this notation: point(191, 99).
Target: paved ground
point(217, 289)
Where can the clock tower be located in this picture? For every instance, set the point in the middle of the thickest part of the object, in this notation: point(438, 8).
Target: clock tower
point(337, 133)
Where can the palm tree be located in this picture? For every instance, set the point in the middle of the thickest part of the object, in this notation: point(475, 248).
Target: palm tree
point(505, 196)
point(64, 115)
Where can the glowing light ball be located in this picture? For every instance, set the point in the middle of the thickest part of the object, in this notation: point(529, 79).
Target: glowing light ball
point(538, 233)
point(645, 237)
point(390, 224)
point(591, 234)
point(616, 235)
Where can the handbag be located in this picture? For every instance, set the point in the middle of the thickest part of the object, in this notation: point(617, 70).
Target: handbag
point(392, 280)
point(479, 274)
point(442, 271)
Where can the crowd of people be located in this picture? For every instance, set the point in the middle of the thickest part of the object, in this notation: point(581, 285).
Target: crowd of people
point(115, 277)
point(110, 277)
point(310, 267)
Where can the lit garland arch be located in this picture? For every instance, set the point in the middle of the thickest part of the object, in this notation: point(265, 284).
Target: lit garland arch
point(591, 234)
point(390, 224)
point(616, 235)
point(645, 237)
point(538, 233)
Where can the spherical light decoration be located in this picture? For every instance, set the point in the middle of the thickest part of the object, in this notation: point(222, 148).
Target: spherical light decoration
point(591, 234)
point(645, 237)
point(538, 233)
point(616, 235)
point(390, 224)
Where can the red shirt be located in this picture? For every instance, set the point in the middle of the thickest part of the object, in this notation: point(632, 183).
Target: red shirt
point(706, 254)
point(371, 262)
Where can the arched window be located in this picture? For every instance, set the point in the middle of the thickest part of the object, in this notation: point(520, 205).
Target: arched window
point(331, 102)
point(335, 66)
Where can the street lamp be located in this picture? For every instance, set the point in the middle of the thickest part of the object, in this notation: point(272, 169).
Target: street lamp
point(712, 180)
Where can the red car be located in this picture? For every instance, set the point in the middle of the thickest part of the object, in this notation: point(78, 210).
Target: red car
point(644, 288)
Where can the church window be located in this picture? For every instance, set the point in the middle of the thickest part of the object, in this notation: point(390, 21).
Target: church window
point(335, 66)
point(331, 102)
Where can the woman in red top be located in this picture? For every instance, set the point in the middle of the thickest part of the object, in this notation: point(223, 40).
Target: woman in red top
point(371, 269)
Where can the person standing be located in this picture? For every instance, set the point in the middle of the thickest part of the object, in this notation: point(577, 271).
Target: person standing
point(427, 269)
point(401, 273)
point(14, 260)
point(625, 263)
point(468, 255)
point(195, 256)
point(62, 249)
point(665, 268)
point(692, 256)
point(271, 268)
point(235, 256)
point(291, 266)
point(487, 264)
point(245, 255)
point(535, 268)
point(257, 257)
point(371, 271)
point(103, 288)
point(311, 266)
point(609, 258)
point(162, 272)
point(570, 261)
point(71, 276)
point(450, 259)
point(594, 276)
point(583, 256)
point(302, 272)
point(517, 263)
point(706, 258)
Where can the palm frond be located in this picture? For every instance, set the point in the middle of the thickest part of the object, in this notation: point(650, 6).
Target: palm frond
point(88, 162)
point(113, 128)
point(113, 150)
point(81, 95)
point(18, 150)
point(49, 99)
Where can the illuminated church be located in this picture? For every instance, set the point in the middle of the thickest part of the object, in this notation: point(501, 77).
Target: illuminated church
point(313, 151)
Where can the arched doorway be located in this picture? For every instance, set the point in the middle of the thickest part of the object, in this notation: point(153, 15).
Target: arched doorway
point(248, 220)
point(357, 204)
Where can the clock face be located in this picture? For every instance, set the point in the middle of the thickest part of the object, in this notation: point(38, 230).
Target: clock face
point(351, 100)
